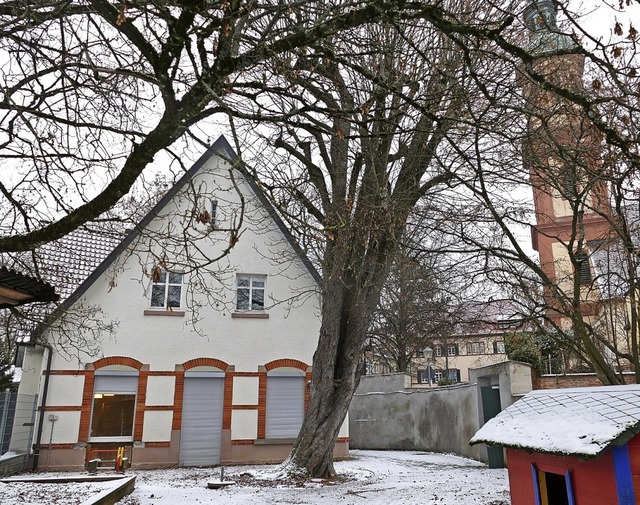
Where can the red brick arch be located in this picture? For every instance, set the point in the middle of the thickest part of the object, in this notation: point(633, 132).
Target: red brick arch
point(117, 360)
point(286, 362)
point(192, 363)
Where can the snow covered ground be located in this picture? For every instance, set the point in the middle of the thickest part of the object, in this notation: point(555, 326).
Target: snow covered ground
point(373, 477)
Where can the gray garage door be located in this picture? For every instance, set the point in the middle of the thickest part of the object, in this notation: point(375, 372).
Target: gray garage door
point(285, 404)
point(202, 406)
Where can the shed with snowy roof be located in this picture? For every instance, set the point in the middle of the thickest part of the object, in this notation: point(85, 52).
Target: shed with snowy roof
point(571, 446)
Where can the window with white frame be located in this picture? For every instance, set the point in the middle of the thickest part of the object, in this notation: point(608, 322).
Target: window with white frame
point(475, 348)
point(250, 292)
point(452, 350)
point(437, 351)
point(498, 347)
point(113, 407)
point(166, 290)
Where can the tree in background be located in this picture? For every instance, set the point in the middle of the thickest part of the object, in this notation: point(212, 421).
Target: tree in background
point(413, 309)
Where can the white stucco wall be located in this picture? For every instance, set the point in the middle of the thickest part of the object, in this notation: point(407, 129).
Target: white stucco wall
point(157, 426)
point(65, 429)
point(65, 390)
point(207, 329)
point(160, 390)
point(245, 390)
point(244, 424)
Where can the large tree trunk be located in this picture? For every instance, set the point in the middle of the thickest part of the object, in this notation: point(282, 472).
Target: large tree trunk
point(355, 269)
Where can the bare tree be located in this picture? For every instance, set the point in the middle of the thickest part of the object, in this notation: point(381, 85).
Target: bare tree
point(363, 125)
point(414, 305)
point(93, 91)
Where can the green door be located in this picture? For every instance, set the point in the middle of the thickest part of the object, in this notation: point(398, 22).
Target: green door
point(491, 408)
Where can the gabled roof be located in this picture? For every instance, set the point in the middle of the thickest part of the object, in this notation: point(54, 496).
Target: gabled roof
point(580, 421)
point(102, 259)
point(18, 289)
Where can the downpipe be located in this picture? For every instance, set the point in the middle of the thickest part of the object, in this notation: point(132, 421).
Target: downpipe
point(43, 404)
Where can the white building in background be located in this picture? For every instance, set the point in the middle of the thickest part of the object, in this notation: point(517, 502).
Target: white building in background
point(193, 367)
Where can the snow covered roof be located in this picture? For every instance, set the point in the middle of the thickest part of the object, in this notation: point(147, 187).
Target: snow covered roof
point(579, 421)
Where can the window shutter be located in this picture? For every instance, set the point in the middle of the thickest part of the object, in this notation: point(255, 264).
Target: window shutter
point(457, 349)
point(285, 404)
point(495, 347)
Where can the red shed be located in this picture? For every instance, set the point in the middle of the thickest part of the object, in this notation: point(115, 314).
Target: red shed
point(571, 446)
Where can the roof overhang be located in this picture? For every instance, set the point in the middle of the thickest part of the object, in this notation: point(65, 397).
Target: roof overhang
point(17, 289)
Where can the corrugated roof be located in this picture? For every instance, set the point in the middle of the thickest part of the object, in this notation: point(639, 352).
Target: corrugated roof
point(579, 421)
point(20, 289)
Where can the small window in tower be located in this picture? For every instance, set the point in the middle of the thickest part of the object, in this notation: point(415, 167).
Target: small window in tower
point(214, 212)
point(583, 268)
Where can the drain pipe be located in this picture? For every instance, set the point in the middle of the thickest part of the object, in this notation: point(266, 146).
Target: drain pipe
point(43, 404)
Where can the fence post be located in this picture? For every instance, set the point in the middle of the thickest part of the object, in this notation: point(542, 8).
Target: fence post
point(5, 415)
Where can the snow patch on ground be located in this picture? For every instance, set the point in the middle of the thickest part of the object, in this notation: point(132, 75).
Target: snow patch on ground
point(373, 477)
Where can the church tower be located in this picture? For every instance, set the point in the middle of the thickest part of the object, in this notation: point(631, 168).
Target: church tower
point(562, 155)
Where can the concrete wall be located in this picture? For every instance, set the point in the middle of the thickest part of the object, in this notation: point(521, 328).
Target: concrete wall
point(384, 414)
point(387, 413)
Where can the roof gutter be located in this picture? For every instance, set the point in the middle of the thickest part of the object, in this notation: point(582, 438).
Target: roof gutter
point(43, 404)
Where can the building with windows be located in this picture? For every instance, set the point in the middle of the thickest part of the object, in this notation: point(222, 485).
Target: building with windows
point(183, 365)
point(478, 341)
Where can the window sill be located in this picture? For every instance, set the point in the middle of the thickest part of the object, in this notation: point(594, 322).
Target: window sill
point(95, 440)
point(274, 441)
point(250, 315)
point(152, 312)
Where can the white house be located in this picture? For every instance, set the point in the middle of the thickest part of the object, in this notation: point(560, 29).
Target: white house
point(194, 366)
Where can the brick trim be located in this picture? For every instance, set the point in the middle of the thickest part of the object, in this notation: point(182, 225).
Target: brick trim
point(141, 399)
point(286, 362)
point(158, 407)
point(192, 363)
point(262, 404)
point(117, 360)
point(157, 444)
point(55, 446)
point(342, 440)
point(227, 400)
point(65, 372)
point(62, 408)
point(178, 393)
point(245, 407)
point(87, 393)
point(242, 442)
point(85, 411)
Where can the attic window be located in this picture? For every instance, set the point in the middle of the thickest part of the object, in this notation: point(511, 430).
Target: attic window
point(166, 290)
point(250, 292)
